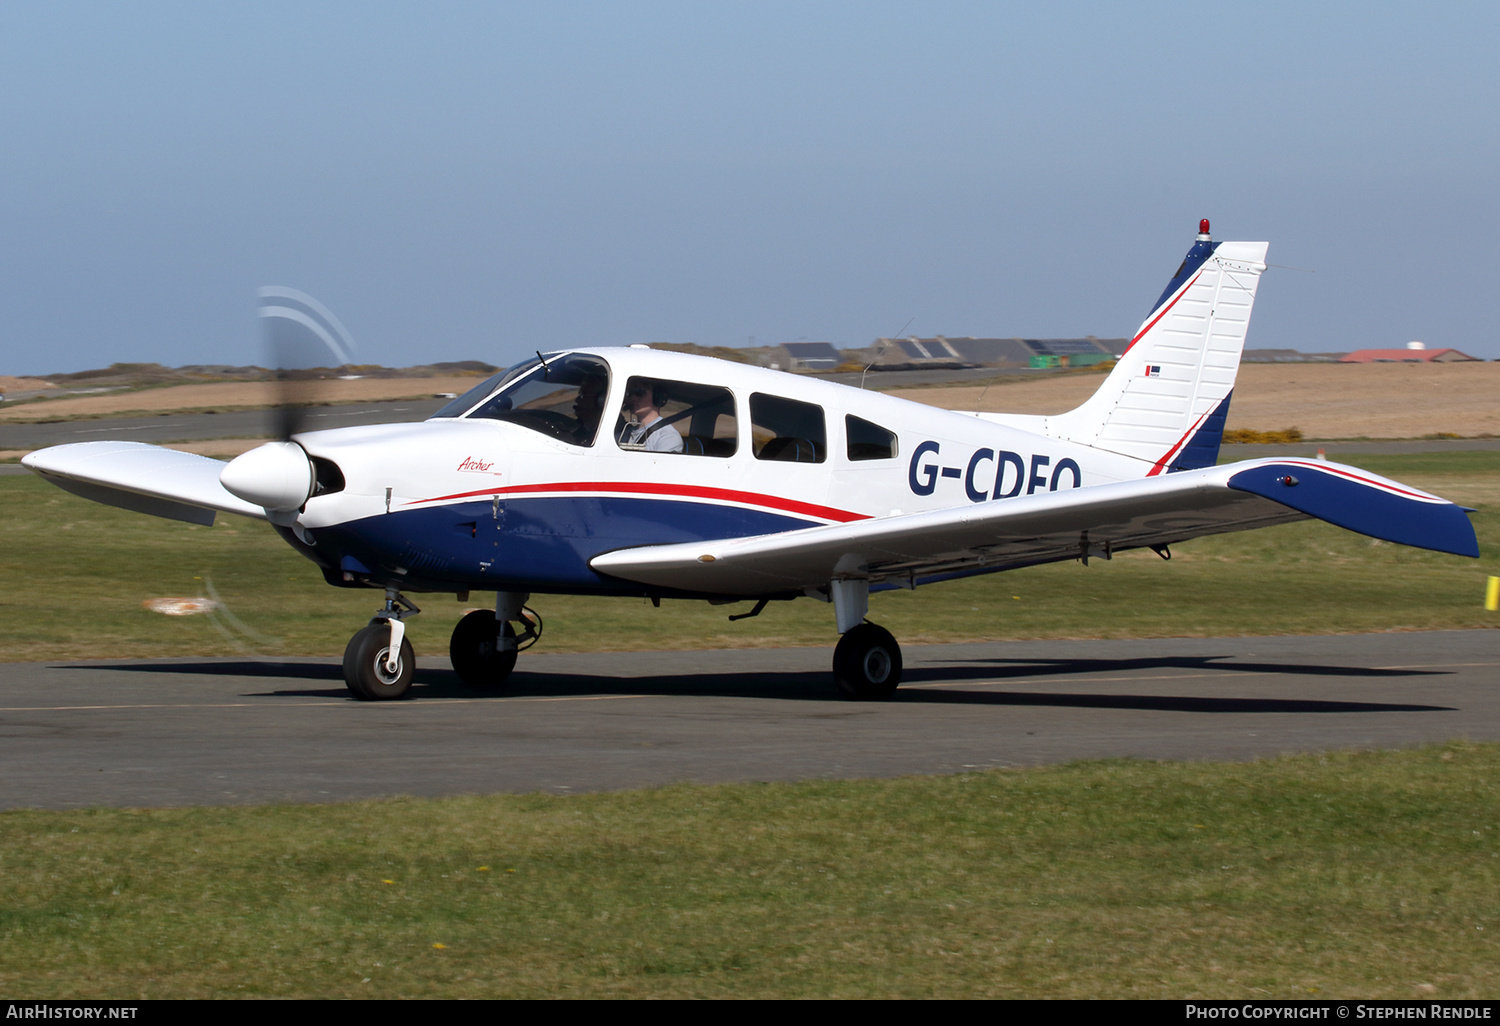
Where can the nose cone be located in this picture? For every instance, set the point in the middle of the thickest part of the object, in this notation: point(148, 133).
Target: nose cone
point(276, 475)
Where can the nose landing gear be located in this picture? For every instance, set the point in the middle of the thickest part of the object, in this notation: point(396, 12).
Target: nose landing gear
point(367, 671)
point(379, 661)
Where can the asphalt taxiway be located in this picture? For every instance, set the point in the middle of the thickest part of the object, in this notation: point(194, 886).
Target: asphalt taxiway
point(226, 731)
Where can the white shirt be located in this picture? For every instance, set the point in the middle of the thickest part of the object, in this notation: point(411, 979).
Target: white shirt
point(656, 436)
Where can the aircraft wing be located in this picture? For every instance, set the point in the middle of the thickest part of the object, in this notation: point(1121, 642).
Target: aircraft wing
point(915, 548)
point(140, 477)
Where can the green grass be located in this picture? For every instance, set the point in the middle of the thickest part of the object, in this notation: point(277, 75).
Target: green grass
point(1371, 874)
point(77, 574)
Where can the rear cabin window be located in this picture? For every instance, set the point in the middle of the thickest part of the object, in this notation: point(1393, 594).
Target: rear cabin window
point(787, 430)
point(677, 417)
point(868, 441)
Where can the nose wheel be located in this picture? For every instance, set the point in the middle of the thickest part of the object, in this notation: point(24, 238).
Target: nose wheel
point(379, 661)
point(367, 665)
point(867, 663)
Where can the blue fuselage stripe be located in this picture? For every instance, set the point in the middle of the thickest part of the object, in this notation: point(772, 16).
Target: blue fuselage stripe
point(530, 543)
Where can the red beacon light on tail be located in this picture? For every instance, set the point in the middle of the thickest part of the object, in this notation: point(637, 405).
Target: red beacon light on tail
point(1203, 230)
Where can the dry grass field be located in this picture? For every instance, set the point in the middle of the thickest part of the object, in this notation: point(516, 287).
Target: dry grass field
point(1324, 400)
point(13, 384)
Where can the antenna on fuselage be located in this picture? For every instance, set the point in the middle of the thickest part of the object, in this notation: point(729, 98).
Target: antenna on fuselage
point(882, 349)
point(979, 403)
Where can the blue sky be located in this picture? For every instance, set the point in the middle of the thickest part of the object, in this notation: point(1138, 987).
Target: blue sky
point(479, 180)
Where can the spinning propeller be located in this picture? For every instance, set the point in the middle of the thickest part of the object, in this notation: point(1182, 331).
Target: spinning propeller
point(299, 335)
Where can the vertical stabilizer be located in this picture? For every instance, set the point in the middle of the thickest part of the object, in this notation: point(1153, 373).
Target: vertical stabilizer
point(1166, 400)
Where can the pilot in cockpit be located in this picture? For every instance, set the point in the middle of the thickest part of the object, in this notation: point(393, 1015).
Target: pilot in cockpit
point(588, 407)
point(646, 429)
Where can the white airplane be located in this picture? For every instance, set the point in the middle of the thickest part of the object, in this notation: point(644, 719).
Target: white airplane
point(629, 471)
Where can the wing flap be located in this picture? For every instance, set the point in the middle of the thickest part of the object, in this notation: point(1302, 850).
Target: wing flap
point(1038, 528)
point(143, 478)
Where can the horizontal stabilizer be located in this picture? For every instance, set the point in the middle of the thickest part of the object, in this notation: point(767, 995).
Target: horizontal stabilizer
point(1363, 502)
point(143, 478)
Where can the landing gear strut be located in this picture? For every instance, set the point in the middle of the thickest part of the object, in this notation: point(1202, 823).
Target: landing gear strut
point(379, 661)
point(867, 663)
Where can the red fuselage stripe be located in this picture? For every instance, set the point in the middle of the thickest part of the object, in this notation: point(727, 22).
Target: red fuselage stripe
point(670, 490)
point(1161, 464)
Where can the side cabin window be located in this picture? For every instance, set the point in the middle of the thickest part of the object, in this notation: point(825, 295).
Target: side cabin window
point(562, 398)
point(868, 441)
point(787, 430)
point(677, 416)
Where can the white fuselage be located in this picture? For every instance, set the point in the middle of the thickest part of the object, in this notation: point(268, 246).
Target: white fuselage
point(537, 507)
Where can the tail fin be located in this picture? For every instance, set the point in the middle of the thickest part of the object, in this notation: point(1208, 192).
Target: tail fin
point(1166, 400)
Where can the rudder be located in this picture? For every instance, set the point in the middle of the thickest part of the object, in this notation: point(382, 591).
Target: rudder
point(1167, 398)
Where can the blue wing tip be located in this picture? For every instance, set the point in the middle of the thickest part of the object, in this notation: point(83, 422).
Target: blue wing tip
point(1363, 505)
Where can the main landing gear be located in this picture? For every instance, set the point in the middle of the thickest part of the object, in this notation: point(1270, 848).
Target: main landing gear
point(867, 661)
point(379, 662)
point(484, 645)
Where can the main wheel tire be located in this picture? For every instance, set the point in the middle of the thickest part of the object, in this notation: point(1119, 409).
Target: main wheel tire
point(475, 650)
point(867, 663)
point(365, 672)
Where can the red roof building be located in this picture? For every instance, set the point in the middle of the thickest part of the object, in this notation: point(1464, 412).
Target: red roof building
point(1408, 356)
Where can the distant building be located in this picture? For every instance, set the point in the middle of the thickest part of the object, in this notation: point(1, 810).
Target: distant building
point(807, 356)
point(1072, 352)
point(1413, 353)
point(941, 351)
point(1288, 356)
point(938, 352)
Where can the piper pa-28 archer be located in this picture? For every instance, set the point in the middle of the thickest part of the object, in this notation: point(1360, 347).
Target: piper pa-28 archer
point(729, 483)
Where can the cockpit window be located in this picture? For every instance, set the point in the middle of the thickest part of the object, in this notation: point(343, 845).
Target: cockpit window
point(562, 398)
point(466, 402)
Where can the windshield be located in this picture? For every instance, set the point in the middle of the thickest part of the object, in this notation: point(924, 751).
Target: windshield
point(466, 402)
point(562, 398)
